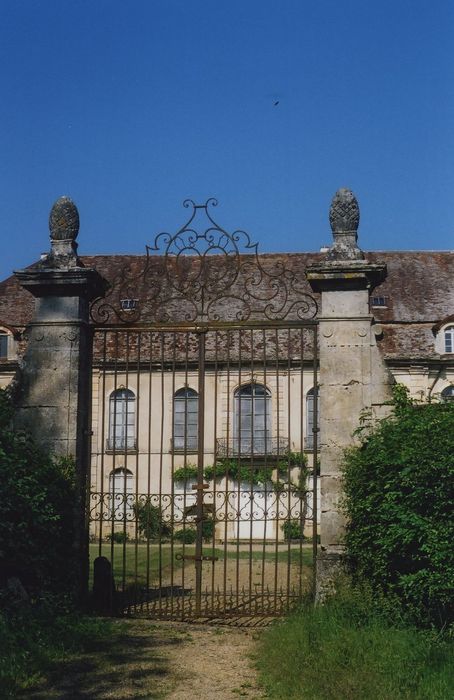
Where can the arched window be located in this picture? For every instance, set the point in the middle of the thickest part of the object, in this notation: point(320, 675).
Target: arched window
point(185, 420)
point(449, 339)
point(252, 420)
point(122, 418)
point(121, 494)
point(448, 394)
point(309, 441)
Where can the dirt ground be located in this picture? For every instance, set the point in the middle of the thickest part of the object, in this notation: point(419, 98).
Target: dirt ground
point(161, 660)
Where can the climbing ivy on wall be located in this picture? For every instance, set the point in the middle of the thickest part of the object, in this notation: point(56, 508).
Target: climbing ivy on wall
point(245, 471)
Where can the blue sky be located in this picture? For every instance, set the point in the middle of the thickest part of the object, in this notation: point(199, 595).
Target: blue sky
point(130, 107)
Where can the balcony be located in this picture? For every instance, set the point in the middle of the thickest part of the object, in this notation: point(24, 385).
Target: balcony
point(183, 445)
point(121, 444)
point(252, 447)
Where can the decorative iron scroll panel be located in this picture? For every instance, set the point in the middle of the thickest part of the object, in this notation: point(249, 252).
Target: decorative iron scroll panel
point(204, 274)
point(202, 489)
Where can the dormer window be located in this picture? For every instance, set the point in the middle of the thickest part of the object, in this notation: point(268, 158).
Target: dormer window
point(379, 302)
point(448, 337)
point(444, 336)
point(128, 304)
point(7, 345)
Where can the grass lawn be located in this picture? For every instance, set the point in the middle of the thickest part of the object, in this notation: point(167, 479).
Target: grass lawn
point(141, 563)
point(347, 649)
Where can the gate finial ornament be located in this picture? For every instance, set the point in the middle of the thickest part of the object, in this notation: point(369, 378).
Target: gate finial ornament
point(205, 274)
point(344, 221)
point(64, 228)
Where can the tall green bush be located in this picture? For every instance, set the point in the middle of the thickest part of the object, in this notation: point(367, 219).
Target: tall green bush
point(150, 523)
point(37, 497)
point(399, 500)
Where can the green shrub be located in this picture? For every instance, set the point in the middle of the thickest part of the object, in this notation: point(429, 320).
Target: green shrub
point(119, 537)
point(150, 523)
point(207, 530)
point(186, 536)
point(293, 530)
point(37, 500)
point(399, 486)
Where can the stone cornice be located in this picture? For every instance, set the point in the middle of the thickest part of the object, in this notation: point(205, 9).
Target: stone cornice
point(70, 282)
point(345, 275)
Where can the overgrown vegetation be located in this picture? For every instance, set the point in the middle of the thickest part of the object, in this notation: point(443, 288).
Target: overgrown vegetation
point(35, 641)
point(37, 496)
point(37, 570)
point(399, 486)
point(350, 648)
point(387, 632)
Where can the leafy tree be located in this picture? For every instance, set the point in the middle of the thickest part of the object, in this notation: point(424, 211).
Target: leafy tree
point(399, 499)
point(37, 496)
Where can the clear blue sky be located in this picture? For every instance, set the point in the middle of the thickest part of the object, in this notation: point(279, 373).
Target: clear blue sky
point(131, 106)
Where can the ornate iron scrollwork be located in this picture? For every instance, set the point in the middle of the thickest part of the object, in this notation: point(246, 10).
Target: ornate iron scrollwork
point(203, 273)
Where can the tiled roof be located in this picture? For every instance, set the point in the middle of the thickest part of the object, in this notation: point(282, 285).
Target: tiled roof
point(419, 292)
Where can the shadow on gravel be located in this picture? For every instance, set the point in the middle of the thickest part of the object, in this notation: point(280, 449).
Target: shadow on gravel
point(131, 665)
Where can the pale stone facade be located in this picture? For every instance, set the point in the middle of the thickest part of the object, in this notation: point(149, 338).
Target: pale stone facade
point(150, 460)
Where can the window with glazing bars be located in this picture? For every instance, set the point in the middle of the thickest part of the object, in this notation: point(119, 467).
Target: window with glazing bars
point(185, 420)
point(122, 420)
point(252, 420)
point(449, 339)
point(309, 441)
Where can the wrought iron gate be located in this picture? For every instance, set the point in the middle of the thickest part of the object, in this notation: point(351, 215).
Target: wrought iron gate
point(204, 461)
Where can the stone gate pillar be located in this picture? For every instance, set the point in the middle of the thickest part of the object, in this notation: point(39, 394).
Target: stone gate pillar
point(353, 376)
point(53, 384)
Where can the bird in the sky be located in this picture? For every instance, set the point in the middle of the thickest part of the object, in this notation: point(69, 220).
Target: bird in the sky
point(276, 103)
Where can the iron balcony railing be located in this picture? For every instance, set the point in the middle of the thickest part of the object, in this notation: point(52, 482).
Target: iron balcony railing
point(252, 447)
point(185, 444)
point(120, 444)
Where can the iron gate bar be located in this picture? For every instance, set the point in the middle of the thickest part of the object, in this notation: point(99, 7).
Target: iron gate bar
point(200, 466)
point(315, 464)
point(132, 363)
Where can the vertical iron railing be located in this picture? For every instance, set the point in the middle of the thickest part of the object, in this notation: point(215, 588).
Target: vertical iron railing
point(251, 559)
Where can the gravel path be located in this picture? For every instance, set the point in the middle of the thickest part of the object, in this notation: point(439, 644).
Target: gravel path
point(214, 664)
point(159, 661)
